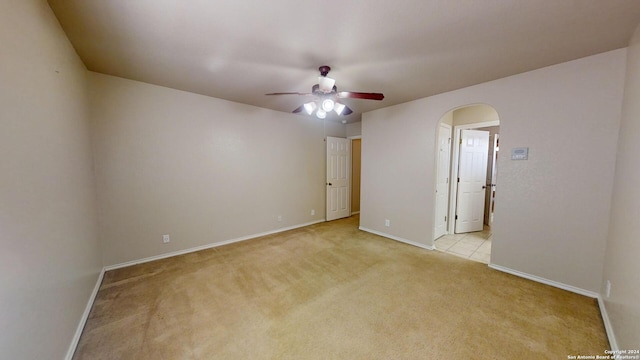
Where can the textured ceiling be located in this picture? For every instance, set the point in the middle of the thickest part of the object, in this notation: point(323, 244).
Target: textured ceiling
point(240, 50)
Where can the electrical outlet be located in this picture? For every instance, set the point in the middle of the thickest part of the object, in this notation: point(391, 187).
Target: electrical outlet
point(313, 212)
point(166, 239)
point(608, 288)
point(279, 217)
point(387, 222)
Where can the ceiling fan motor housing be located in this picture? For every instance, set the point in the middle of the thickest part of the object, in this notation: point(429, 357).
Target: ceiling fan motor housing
point(324, 70)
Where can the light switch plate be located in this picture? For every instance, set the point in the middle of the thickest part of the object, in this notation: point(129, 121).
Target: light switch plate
point(520, 153)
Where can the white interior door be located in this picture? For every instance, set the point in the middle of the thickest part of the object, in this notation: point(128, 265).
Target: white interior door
point(442, 180)
point(338, 164)
point(472, 175)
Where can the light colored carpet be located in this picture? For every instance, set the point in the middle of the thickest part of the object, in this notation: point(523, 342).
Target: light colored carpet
point(330, 291)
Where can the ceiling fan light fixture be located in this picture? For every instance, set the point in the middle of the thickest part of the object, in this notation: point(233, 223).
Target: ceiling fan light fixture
point(326, 84)
point(325, 94)
point(327, 105)
point(309, 107)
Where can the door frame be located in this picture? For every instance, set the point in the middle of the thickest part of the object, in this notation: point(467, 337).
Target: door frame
point(351, 138)
point(455, 157)
point(491, 199)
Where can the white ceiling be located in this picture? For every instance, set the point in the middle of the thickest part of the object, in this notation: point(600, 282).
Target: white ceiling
point(407, 49)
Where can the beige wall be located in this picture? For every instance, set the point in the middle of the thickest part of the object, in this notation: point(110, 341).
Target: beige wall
point(200, 169)
point(622, 265)
point(49, 261)
point(474, 114)
point(354, 129)
point(448, 118)
point(551, 211)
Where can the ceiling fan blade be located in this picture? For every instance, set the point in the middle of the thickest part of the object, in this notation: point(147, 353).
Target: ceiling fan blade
point(298, 109)
point(346, 111)
point(360, 95)
point(289, 93)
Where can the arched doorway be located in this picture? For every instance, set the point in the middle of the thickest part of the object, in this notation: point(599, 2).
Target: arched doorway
point(466, 181)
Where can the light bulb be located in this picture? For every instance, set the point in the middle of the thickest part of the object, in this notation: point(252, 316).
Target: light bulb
point(327, 105)
point(339, 108)
point(321, 114)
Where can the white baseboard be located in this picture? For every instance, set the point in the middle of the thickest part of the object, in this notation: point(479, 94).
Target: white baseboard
point(397, 238)
point(607, 324)
point(535, 278)
point(92, 298)
point(603, 309)
point(207, 246)
point(85, 317)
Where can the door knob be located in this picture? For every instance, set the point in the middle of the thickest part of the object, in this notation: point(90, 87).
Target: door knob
point(484, 187)
point(329, 184)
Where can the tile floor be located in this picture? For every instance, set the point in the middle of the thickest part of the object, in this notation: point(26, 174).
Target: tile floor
point(474, 246)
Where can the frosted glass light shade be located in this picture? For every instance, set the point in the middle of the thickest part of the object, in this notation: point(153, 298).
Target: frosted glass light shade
point(309, 107)
point(327, 105)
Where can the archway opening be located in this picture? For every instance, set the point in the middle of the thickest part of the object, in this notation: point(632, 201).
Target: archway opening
point(466, 181)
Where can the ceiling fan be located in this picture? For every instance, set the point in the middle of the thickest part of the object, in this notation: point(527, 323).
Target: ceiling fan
point(326, 97)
